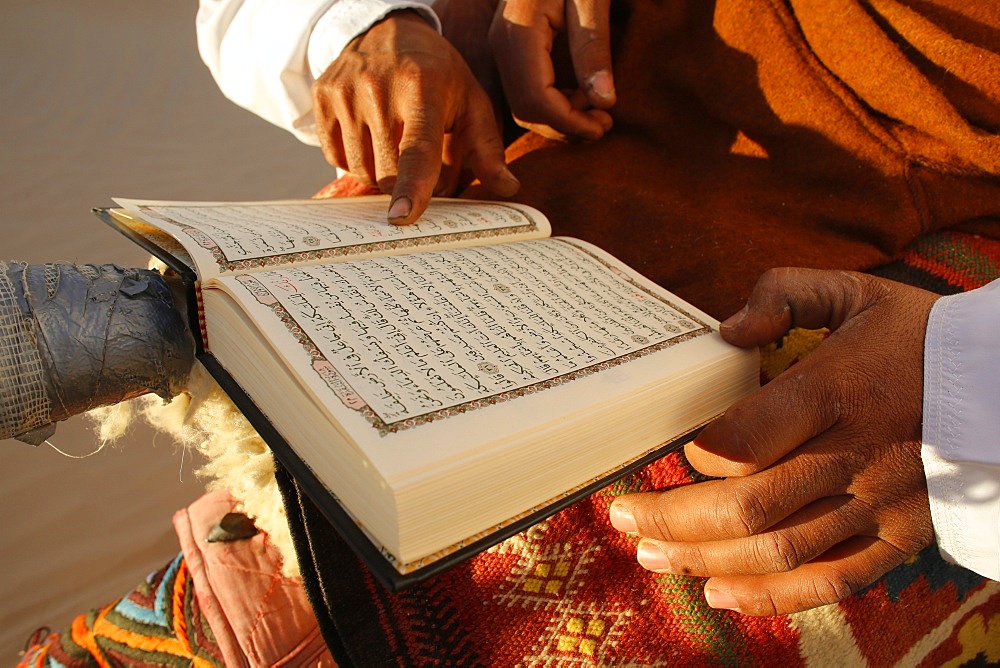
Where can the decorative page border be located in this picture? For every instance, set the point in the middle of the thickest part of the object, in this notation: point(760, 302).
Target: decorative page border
point(224, 264)
point(351, 399)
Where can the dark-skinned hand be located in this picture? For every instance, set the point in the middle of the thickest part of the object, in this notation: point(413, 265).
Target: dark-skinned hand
point(821, 487)
point(400, 108)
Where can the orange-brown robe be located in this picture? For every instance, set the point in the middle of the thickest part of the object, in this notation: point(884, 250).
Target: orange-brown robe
point(758, 133)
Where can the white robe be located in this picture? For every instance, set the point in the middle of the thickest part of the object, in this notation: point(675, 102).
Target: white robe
point(961, 433)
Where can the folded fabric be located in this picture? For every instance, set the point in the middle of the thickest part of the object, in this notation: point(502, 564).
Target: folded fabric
point(159, 623)
point(751, 134)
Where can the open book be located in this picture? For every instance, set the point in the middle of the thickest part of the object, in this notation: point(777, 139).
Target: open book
point(435, 388)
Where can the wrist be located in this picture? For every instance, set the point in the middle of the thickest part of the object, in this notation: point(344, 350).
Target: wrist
point(344, 22)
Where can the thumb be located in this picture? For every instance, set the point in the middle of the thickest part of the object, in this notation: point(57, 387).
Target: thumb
point(786, 298)
point(588, 27)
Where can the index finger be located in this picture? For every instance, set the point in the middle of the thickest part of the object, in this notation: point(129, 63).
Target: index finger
point(795, 406)
point(791, 297)
point(736, 507)
point(764, 426)
point(419, 164)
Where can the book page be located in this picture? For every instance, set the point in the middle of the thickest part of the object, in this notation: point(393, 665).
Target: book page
point(409, 340)
point(247, 236)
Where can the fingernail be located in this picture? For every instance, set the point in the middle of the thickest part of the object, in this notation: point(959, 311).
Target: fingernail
point(651, 556)
point(400, 209)
point(602, 85)
point(622, 519)
point(735, 319)
point(721, 600)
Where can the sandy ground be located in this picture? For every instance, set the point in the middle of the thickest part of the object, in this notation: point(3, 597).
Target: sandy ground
point(100, 99)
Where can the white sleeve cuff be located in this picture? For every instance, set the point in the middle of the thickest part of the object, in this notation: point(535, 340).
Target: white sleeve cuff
point(347, 19)
point(961, 430)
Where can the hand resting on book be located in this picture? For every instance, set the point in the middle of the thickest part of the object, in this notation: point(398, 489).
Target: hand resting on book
point(822, 489)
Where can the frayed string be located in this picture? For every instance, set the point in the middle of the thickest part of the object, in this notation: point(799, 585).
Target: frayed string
point(72, 456)
point(180, 469)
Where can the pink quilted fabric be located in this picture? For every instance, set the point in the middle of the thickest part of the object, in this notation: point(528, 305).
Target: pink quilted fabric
point(259, 617)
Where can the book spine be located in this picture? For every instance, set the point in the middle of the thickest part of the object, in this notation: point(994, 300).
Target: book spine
point(201, 333)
